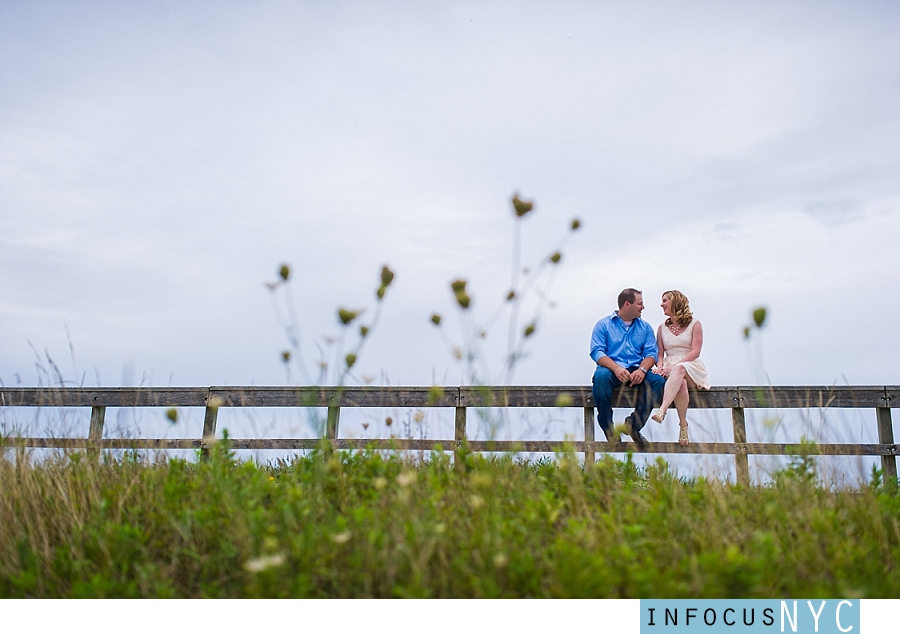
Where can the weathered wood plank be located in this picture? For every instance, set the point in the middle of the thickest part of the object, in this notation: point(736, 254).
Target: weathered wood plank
point(527, 396)
point(103, 397)
point(788, 449)
point(459, 426)
point(580, 396)
point(816, 397)
point(741, 462)
point(366, 396)
point(448, 445)
point(446, 396)
point(459, 433)
point(98, 416)
point(333, 422)
point(693, 448)
point(886, 436)
point(395, 444)
point(106, 443)
point(210, 416)
point(589, 456)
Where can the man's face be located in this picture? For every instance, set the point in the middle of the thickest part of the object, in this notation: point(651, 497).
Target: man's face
point(632, 310)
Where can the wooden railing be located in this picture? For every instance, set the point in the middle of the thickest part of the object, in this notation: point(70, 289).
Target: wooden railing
point(737, 399)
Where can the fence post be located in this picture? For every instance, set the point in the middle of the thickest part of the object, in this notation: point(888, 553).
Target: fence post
point(459, 430)
point(98, 415)
point(589, 457)
point(95, 432)
point(333, 422)
point(741, 460)
point(209, 425)
point(886, 437)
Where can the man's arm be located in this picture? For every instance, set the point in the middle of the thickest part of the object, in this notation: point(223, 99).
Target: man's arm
point(621, 373)
point(599, 340)
point(650, 353)
point(599, 337)
point(637, 377)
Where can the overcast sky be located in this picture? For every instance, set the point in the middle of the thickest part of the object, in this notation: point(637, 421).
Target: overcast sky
point(160, 160)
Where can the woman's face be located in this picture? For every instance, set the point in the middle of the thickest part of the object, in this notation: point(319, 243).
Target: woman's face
point(665, 306)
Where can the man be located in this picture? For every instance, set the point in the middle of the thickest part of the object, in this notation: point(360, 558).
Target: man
point(624, 348)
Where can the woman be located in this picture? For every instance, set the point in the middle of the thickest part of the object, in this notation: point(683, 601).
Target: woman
point(679, 339)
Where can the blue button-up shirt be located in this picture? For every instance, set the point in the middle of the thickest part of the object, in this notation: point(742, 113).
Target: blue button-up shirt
point(626, 345)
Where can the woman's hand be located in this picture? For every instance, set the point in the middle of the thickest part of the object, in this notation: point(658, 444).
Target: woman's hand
point(663, 372)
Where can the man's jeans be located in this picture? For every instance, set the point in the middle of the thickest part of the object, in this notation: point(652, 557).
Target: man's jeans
point(649, 392)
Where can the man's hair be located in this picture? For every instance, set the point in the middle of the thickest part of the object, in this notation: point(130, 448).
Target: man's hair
point(628, 296)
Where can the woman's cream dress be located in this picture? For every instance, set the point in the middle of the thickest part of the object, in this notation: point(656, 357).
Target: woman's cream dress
point(677, 347)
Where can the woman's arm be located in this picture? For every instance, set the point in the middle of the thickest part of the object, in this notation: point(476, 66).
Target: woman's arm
point(662, 353)
point(696, 342)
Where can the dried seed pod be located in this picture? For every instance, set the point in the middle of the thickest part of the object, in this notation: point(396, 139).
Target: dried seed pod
point(759, 316)
point(521, 207)
point(347, 316)
point(387, 276)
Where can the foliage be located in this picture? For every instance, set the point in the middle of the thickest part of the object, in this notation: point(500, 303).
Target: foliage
point(340, 369)
point(372, 524)
point(532, 283)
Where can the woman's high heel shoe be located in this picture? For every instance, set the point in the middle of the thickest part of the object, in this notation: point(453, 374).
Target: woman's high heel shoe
point(683, 436)
point(659, 416)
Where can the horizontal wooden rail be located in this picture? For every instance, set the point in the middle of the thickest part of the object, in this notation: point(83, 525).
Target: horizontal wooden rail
point(368, 396)
point(737, 399)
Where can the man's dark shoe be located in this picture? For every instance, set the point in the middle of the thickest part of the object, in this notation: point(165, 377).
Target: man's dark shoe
point(612, 437)
point(638, 438)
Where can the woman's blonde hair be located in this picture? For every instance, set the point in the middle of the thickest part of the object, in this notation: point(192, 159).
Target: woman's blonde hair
point(680, 308)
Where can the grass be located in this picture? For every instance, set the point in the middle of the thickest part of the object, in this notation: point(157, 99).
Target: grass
point(367, 524)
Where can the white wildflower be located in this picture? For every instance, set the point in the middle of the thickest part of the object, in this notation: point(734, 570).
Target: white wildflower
point(265, 562)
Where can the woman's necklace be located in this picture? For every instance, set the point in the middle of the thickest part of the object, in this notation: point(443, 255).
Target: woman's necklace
point(675, 327)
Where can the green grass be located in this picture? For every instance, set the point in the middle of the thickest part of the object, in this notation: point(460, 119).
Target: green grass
point(371, 525)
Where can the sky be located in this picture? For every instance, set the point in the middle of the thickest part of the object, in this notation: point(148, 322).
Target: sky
point(159, 161)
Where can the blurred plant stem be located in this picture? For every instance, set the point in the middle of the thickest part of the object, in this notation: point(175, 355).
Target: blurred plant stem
point(282, 296)
point(527, 284)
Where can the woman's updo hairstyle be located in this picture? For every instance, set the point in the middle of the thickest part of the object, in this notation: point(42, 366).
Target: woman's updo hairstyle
point(681, 309)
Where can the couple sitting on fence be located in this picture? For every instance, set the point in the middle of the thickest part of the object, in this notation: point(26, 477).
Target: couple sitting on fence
point(626, 350)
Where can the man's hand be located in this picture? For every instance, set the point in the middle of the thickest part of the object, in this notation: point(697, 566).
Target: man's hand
point(622, 374)
point(637, 377)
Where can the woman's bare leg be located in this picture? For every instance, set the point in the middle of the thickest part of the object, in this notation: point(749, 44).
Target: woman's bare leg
point(673, 385)
point(681, 403)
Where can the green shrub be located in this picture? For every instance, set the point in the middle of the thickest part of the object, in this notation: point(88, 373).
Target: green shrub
point(370, 524)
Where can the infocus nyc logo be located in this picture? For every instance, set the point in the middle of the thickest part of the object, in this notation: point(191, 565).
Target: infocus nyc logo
point(750, 616)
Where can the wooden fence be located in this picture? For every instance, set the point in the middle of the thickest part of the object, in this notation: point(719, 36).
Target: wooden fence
point(737, 399)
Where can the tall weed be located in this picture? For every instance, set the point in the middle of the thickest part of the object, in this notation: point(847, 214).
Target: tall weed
point(373, 524)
